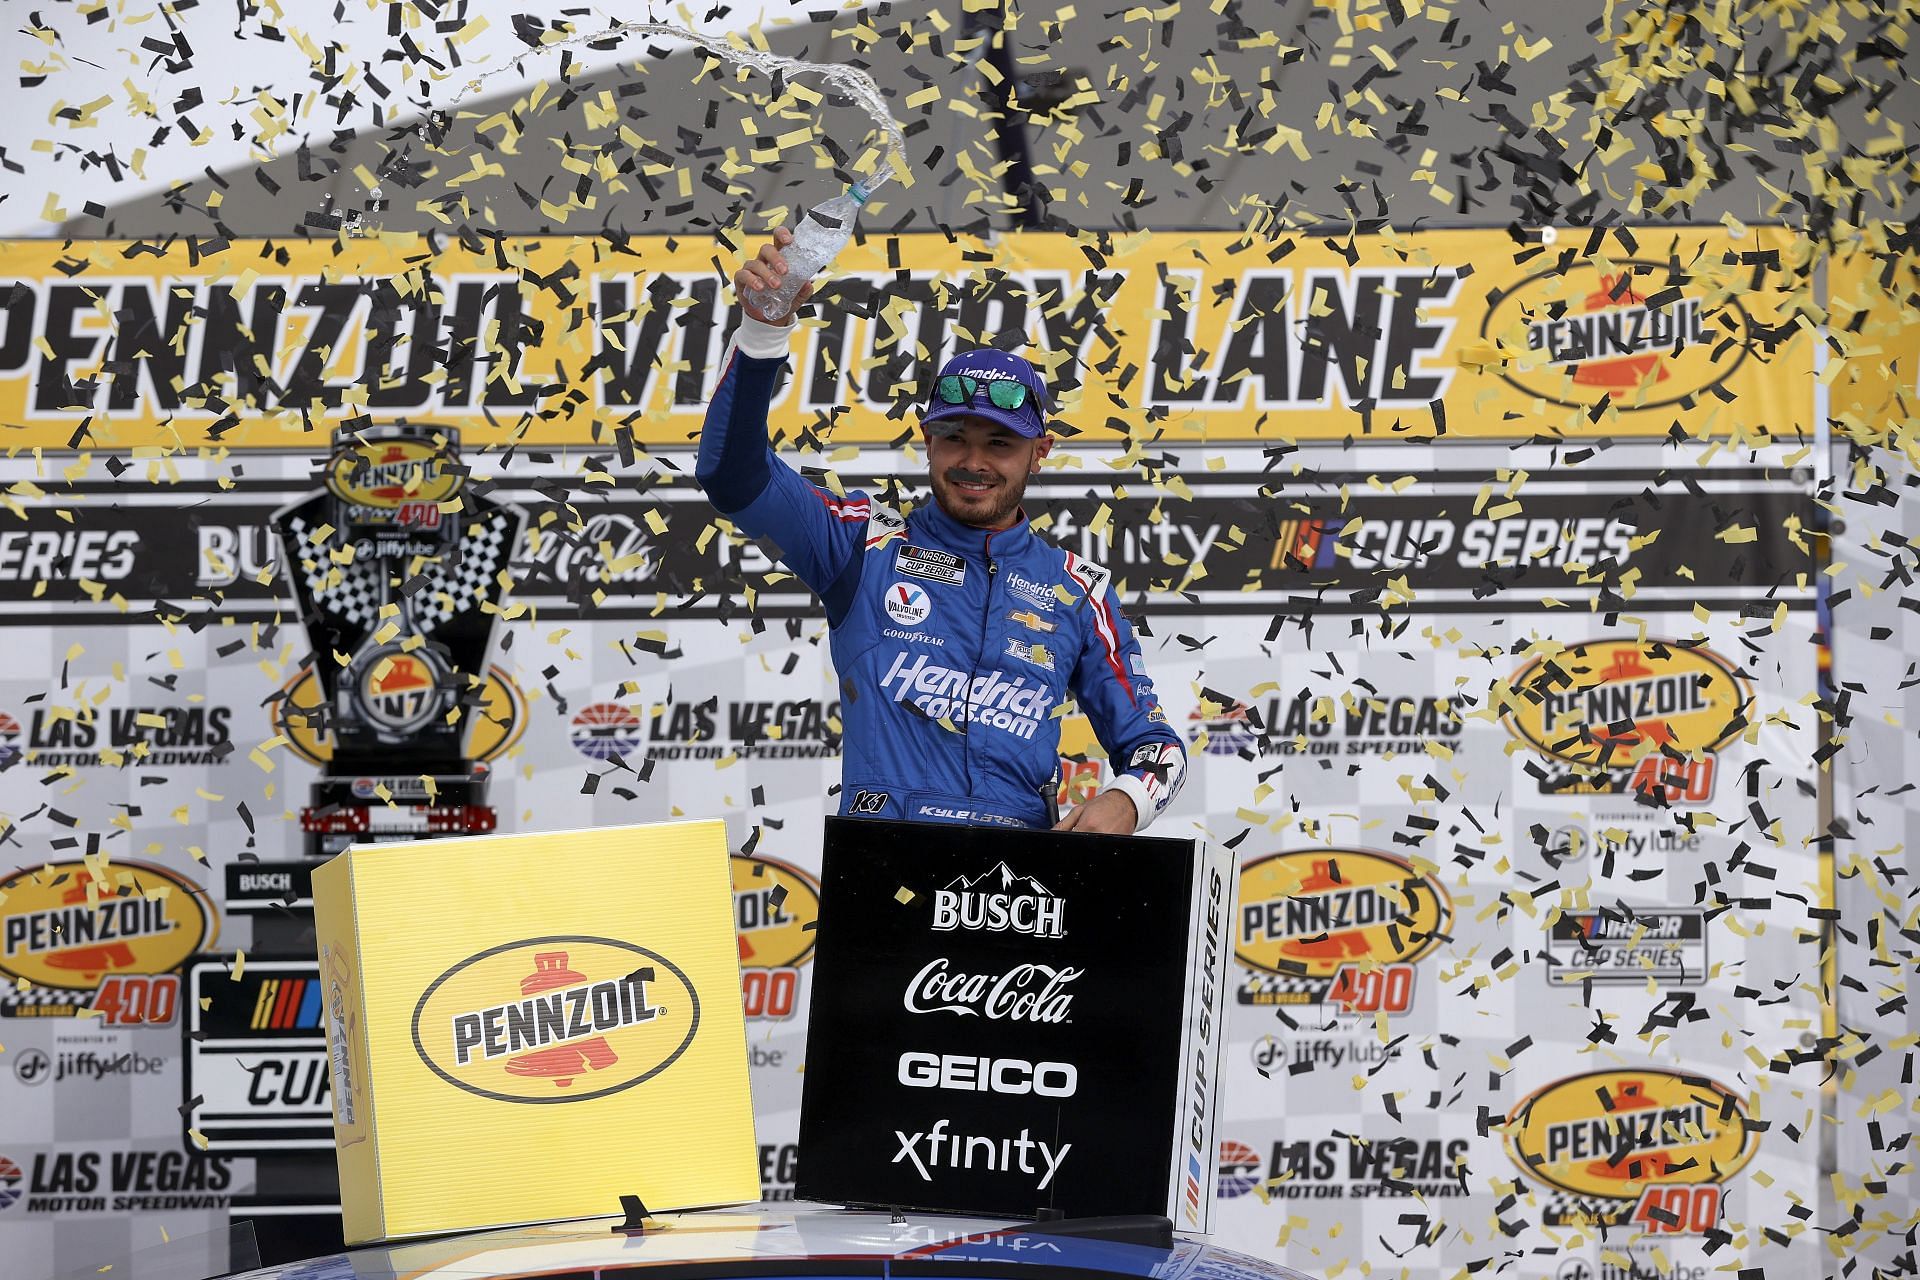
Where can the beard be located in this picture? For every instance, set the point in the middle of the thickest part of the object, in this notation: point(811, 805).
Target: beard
point(987, 510)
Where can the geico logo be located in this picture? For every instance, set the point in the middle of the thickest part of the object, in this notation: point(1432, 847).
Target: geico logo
point(1024, 993)
point(1315, 913)
point(113, 920)
point(1623, 1138)
point(1616, 700)
point(988, 1075)
point(997, 912)
point(554, 1017)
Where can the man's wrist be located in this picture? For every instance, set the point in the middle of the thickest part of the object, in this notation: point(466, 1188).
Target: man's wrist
point(761, 340)
point(1136, 791)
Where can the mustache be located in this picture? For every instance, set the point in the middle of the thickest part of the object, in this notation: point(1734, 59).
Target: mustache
point(956, 476)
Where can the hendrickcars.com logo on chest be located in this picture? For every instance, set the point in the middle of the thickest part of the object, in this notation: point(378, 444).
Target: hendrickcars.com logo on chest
point(775, 908)
point(1628, 717)
point(1341, 928)
point(91, 1181)
point(73, 933)
point(557, 1019)
point(1650, 1147)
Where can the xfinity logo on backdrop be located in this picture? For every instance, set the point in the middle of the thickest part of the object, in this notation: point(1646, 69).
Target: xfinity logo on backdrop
point(998, 901)
point(965, 1073)
point(995, 1155)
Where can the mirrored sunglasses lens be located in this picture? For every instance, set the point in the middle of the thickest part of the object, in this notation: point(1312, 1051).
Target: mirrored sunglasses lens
point(1007, 394)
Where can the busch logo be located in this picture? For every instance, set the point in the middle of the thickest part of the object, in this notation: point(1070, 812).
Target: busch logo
point(1015, 705)
point(1008, 901)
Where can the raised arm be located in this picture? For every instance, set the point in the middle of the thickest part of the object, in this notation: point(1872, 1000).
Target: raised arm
point(819, 535)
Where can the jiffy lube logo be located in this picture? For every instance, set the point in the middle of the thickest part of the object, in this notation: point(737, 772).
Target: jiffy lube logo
point(69, 925)
point(1649, 1146)
point(1640, 334)
point(1614, 703)
point(1338, 926)
point(1016, 706)
point(999, 901)
point(557, 1019)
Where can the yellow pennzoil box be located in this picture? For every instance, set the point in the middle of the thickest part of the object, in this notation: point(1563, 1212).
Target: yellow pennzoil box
point(528, 1027)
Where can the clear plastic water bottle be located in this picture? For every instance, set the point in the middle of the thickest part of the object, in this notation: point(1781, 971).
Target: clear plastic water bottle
point(817, 240)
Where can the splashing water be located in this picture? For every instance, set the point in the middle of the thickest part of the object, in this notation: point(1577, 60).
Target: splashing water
point(852, 81)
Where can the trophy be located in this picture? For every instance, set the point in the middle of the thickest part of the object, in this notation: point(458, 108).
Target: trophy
point(396, 567)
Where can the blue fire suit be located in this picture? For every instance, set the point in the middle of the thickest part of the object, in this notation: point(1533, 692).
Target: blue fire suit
point(956, 647)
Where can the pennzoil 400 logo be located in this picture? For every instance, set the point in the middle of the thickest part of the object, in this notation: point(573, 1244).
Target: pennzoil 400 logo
point(99, 934)
point(1339, 927)
point(1635, 717)
point(555, 1019)
point(1651, 1148)
point(775, 907)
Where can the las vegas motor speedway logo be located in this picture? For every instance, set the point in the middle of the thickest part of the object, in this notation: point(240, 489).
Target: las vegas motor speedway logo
point(556, 1019)
point(1344, 1167)
point(1619, 716)
point(1342, 929)
point(1651, 1148)
point(99, 934)
point(767, 729)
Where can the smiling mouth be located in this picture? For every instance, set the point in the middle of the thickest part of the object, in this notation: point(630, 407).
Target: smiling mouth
point(973, 486)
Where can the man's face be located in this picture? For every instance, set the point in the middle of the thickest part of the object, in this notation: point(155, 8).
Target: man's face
point(979, 469)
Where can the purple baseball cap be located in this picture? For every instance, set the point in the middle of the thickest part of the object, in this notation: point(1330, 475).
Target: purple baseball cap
point(984, 366)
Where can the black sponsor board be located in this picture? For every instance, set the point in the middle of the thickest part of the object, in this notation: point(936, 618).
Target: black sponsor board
point(1261, 539)
point(1015, 1022)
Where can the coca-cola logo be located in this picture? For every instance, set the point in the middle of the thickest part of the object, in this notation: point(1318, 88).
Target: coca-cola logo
point(1024, 993)
point(609, 543)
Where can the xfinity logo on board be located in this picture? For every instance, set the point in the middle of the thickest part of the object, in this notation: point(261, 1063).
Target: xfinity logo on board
point(965, 1073)
point(995, 1155)
point(998, 901)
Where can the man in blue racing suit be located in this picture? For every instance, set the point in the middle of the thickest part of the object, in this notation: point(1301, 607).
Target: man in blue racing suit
point(958, 634)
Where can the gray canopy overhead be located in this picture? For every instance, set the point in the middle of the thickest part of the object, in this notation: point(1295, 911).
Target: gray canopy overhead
point(1187, 116)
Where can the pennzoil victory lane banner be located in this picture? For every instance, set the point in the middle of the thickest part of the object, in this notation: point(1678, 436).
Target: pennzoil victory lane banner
point(544, 341)
point(1509, 742)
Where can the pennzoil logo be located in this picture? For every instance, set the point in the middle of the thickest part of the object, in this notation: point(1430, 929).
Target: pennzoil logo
point(1648, 1146)
point(775, 909)
point(1657, 709)
point(493, 727)
point(74, 926)
point(1336, 926)
point(558, 1019)
point(394, 481)
point(1640, 335)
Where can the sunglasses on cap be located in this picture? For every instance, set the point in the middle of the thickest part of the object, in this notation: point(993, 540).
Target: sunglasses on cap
point(1002, 393)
